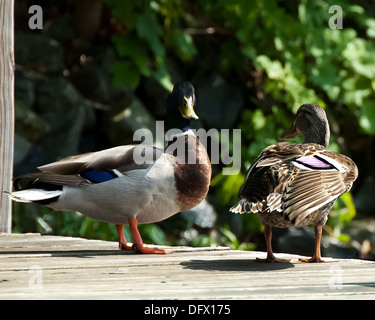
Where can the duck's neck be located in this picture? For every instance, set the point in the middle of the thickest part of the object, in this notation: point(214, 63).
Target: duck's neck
point(177, 122)
point(318, 134)
point(175, 126)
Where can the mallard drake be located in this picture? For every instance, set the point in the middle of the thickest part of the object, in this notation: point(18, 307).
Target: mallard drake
point(293, 184)
point(113, 186)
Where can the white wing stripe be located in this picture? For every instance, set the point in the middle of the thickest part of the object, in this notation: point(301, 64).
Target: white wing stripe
point(336, 164)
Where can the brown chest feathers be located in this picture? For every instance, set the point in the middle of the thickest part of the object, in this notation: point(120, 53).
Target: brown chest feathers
point(192, 170)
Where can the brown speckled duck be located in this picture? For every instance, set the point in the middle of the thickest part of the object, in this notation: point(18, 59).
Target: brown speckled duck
point(293, 184)
point(115, 186)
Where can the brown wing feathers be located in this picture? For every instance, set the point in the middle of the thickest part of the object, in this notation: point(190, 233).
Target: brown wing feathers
point(275, 183)
point(310, 190)
point(33, 179)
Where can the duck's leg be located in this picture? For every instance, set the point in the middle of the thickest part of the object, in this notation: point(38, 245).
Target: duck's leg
point(317, 255)
point(137, 240)
point(122, 244)
point(270, 256)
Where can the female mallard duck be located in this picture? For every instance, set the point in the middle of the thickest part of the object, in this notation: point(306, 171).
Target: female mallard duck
point(114, 186)
point(297, 184)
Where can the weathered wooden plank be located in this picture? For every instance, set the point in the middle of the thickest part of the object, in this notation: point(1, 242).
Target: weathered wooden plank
point(6, 111)
point(72, 268)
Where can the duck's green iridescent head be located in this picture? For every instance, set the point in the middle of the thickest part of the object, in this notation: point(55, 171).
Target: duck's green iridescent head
point(182, 98)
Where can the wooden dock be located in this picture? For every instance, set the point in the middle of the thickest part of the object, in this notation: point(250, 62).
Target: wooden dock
point(53, 267)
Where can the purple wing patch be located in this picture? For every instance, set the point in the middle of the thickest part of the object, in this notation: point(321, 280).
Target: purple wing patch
point(315, 162)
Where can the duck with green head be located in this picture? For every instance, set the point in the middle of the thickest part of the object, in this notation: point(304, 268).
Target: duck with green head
point(110, 186)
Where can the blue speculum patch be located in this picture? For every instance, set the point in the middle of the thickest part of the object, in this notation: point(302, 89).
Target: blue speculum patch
point(98, 176)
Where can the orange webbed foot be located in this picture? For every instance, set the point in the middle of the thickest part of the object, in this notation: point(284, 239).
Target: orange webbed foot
point(137, 240)
point(150, 250)
point(124, 246)
point(317, 260)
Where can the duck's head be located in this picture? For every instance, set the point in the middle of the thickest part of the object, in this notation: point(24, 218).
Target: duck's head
point(311, 121)
point(182, 101)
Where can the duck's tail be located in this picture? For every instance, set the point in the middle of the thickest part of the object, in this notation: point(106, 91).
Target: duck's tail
point(33, 188)
point(242, 206)
point(34, 195)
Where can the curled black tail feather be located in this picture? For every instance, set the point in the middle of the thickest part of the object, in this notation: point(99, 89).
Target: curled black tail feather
point(33, 182)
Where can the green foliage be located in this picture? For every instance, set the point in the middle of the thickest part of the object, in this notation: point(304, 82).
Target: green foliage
point(94, 229)
point(343, 212)
point(150, 28)
point(231, 239)
point(36, 218)
point(203, 240)
point(305, 60)
point(225, 186)
point(153, 234)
